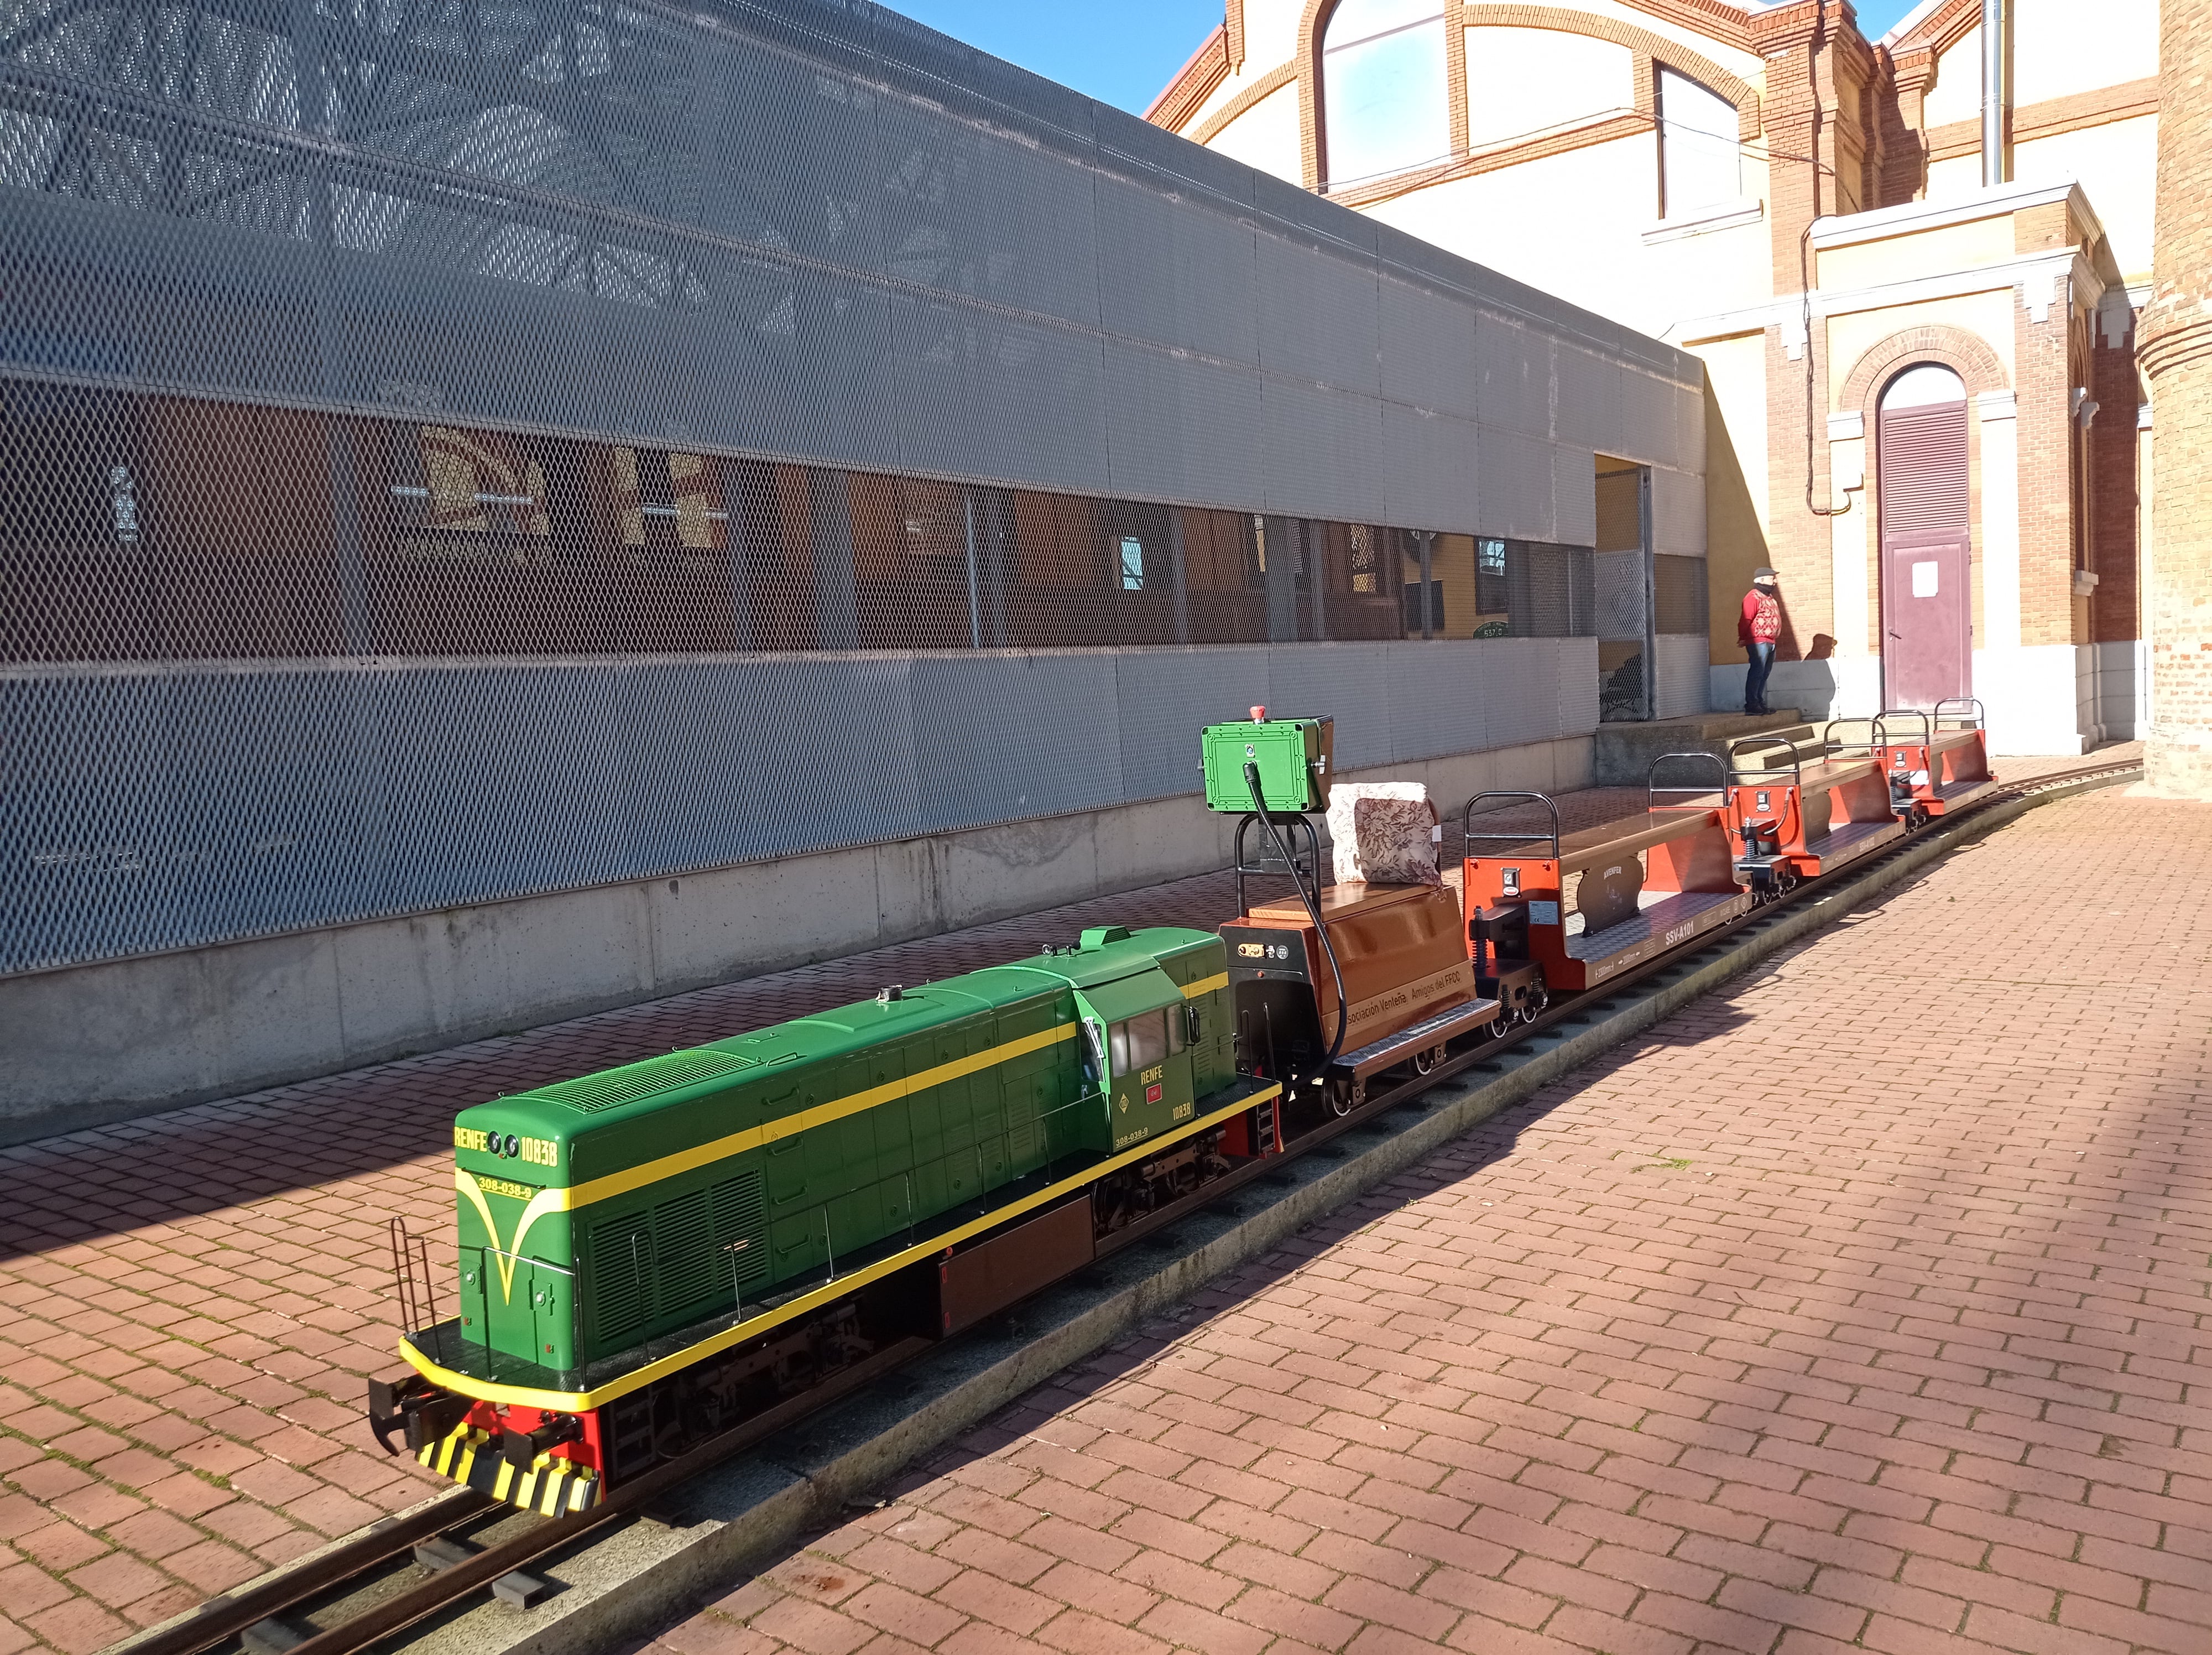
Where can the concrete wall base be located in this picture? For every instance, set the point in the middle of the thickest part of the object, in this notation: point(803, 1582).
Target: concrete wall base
point(2047, 699)
point(95, 1044)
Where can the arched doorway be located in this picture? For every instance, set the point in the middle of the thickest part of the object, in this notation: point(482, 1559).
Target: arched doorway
point(1927, 608)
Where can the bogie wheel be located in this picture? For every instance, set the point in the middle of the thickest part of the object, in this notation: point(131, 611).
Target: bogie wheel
point(1338, 1096)
point(1538, 1002)
point(1425, 1063)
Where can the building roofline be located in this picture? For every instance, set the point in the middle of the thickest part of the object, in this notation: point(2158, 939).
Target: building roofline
point(1192, 84)
point(1912, 20)
point(1909, 218)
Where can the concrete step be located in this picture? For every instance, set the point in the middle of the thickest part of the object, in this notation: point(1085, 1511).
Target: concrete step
point(1806, 747)
point(1622, 753)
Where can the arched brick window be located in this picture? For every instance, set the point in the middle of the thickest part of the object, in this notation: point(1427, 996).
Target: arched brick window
point(1383, 89)
point(1699, 164)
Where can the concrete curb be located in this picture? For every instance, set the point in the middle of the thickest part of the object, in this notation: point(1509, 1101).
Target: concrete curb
point(737, 1517)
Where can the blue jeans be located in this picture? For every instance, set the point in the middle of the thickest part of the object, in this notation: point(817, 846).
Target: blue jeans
point(1755, 678)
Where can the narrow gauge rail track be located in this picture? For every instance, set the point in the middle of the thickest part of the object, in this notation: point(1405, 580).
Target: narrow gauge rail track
point(369, 1588)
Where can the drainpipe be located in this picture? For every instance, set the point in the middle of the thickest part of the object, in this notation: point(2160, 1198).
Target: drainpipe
point(1996, 92)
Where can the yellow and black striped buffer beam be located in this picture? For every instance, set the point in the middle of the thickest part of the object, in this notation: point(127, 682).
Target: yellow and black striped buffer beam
point(549, 1486)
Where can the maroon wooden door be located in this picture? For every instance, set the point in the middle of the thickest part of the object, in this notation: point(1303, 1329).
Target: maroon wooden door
point(1927, 609)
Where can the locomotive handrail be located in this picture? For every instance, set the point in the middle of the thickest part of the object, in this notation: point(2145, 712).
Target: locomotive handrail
point(1736, 772)
point(526, 1258)
point(1980, 714)
point(1652, 789)
point(1467, 818)
point(1880, 721)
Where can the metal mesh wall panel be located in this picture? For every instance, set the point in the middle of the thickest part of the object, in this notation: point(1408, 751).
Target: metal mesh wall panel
point(453, 452)
point(1685, 684)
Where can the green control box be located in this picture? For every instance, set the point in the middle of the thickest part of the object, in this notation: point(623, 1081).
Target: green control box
point(1295, 756)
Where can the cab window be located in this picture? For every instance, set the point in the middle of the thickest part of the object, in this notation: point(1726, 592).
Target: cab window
point(1145, 1040)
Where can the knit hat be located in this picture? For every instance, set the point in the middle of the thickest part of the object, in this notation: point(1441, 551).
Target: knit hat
point(1757, 575)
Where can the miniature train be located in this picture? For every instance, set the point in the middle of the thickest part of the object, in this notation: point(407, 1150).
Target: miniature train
point(653, 1255)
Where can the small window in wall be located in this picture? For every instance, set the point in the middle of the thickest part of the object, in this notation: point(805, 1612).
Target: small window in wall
point(1700, 163)
point(1133, 563)
point(1490, 597)
point(1383, 88)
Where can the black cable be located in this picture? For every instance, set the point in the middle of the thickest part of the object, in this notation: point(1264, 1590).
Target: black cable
point(1343, 1006)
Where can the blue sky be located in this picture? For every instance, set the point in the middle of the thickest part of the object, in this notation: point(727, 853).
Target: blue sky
point(1122, 51)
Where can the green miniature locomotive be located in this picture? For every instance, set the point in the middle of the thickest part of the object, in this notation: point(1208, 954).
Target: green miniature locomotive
point(635, 1233)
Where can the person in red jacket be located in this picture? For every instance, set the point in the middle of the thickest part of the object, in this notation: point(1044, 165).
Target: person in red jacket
point(1756, 630)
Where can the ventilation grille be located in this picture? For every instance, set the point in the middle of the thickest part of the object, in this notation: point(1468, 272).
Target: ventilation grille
point(1923, 462)
point(683, 1242)
point(741, 1216)
point(595, 1093)
point(622, 1277)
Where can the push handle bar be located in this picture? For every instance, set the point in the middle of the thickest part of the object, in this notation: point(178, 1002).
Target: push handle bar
point(1960, 720)
point(1467, 818)
point(1652, 789)
point(1737, 772)
point(1828, 733)
point(1881, 724)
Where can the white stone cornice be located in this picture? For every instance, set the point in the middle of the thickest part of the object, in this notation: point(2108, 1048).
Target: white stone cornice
point(2034, 278)
point(1909, 218)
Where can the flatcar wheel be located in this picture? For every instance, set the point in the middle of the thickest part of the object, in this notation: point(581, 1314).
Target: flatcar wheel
point(1338, 1094)
point(1425, 1063)
point(1538, 1002)
point(1502, 1024)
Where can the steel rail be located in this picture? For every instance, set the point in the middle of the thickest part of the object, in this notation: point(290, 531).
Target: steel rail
point(222, 1620)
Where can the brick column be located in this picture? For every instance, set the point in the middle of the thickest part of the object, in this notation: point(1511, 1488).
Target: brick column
point(2174, 346)
point(1905, 143)
point(1792, 41)
point(2114, 383)
point(1814, 104)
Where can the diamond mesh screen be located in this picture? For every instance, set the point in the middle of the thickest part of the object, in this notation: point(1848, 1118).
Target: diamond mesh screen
point(451, 449)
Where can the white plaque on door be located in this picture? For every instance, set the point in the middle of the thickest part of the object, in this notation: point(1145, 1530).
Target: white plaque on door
point(1923, 580)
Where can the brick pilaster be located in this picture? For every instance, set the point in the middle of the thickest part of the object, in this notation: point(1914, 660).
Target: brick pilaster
point(2175, 348)
point(2114, 615)
point(1905, 138)
point(1818, 69)
point(2043, 380)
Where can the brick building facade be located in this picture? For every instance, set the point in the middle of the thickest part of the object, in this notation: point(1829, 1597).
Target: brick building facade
point(1924, 406)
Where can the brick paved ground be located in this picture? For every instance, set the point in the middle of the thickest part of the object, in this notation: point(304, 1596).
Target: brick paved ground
point(1862, 1307)
point(188, 1303)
